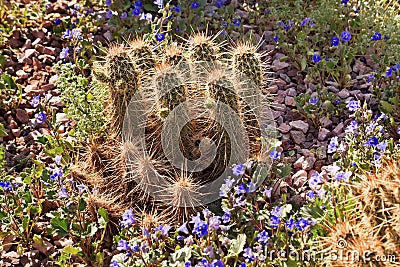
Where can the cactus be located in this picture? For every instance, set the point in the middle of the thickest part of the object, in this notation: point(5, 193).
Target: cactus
point(373, 224)
point(165, 83)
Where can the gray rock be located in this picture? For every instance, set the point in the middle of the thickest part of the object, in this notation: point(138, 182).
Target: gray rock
point(21, 115)
point(299, 125)
point(299, 162)
point(299, 178)
point(61, 118)
point(289, 101)
point(298, 137)
point(344, 93)
point(284, 128)
point(308, 163)
point(325, 122)
point(323, 134)
point(279, 65)
point(338, 129)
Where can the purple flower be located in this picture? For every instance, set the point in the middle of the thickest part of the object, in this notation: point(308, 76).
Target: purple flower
point(313, 100)
point(160, 37)
point(123, 245)
point(57, 21)
point(353, 105)
point(214, 222)
point(57, 159)
point(109, 14)
point(290, 224)
point(200, 229)
point(67, 34)
point(226, 217)
point(302, 224)
point(316, 58)
point(41, 117)
point(159, 3)
point(114, 263)
point(398, 131)
point(63, 193)
point(240, 201)
point(335, 41)
point(277, 211)
point(64, 53)
point(57, 173)
point(35, 101)
point(127, 219)
point(7, 186)
point(372, 141)
point(333, 145)
point(248, 254)
point(376, 37)
point(389, 72)
point(236, 22)
point(241, 189)
point(108, 2)
point(238, 170)
point(310, 195)
point(183, 228)
point(76, 34)
point(81, 188)
point(276, 38)
point(225, 188)
point(147, 16)
point(250, 187)
point(262, 237)
point(217, 263)
point(124, 15)
point(315, 180)
point(343, 176)
point(267, 192)
point(274, 155)
point(195, 5)
point(274, 221)
point(307, 20)
point(163, 228)
point(345, 36)
point(352, 127)
point(219, 3)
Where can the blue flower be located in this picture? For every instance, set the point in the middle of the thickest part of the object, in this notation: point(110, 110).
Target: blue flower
point(353, 105)
point(109, 14)
point(302, 224)
point(76, 34)
point(274, 155)
point(214, 222)
point(248, 254)
point(276, 38)
point(240, 201)
point(160, 37)
point(57, 21)
point(114, 263)
point(352, 127)
point(63, 193)
point(67, 34)
point(219, 3)
point(274, 221)
point(316, 58)
point(241, 189)
point(127, 219)
point(313, 100)
point(163, 228)
point(108, 2)
point(333, 145)
point(343, 176)
point(195, 5)
point(41, 117)
point(200, 229)
point(176, 8)
point(7, 186)
point(145, 232)
point(226, 217)
point(188, 264)
point(377, 36)
point(310, 195)
point(136, 12)
point(267, 192)
point(290, 224)
point(123, 245)
point(262, 237)
point(307, 20)
point(344, 2)
point(217, 263)
point(35, 101)
point(238, 170)
point(250, 187)
point(345, 36)
point(159, 3)
point(396, 67)
point(57, 173)
point(236, 22)
point(389, 72)
point(335, 41)
point(138, 4)
point(372, 141)
point(183, 228)
point(315, 180)
point(398, 131)
point(64, 53)
point(124, 15)
point(277, 211)
point(81, 188)
point(225, 188)
point(321, 193)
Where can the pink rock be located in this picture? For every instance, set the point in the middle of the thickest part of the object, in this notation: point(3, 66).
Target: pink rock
point(299, 178)
point(22, 116)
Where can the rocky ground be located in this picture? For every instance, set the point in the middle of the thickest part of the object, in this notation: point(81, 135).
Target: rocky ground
point(31, 52)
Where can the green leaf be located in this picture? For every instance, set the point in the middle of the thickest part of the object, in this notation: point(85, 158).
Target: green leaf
point(2, 61)
point(91, 230)
point(237, 245)
point(284, 171)
point(303, 64)
point(387, 107)
point(103, 213)
point(181, 255)
point(60, 226)
point(71, 250)
point(150, 7)
point(37, 239)
point(3, 132)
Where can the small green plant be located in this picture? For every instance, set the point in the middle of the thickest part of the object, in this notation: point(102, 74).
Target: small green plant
point(83, 101)
point(10, 92)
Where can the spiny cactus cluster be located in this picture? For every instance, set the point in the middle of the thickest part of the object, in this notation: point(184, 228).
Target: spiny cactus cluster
point(174, 76)
point(374, 224)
